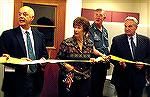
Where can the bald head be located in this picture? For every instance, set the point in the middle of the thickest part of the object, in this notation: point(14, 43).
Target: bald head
point(27, 9)
point(25, 17)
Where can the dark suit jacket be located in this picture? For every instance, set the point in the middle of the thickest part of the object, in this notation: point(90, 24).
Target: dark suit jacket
point(130, 76)
point(12, 43)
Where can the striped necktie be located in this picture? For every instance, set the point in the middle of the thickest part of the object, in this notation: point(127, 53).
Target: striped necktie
point(133, 47)
point(31, 54)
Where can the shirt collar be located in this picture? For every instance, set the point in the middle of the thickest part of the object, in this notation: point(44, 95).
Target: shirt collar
point(23, 30)
point(96, 28)
point(134, 36)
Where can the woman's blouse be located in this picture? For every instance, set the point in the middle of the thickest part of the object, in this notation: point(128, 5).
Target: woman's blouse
point(69, 50)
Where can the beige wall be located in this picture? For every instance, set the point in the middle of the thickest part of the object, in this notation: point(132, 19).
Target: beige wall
point(137, 6)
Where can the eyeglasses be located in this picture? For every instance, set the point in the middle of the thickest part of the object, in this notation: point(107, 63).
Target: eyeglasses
point(25, 14)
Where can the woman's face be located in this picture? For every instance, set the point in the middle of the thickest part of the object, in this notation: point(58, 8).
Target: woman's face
point(78, 31)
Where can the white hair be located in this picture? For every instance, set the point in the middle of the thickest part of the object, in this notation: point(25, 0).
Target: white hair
point(133, 19)
point(29, 9)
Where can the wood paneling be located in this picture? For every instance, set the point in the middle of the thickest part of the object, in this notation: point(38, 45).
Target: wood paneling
point(120, 16)
point(89, 14)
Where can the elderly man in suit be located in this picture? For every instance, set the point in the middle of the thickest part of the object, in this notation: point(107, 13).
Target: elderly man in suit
point(23, 42)
point(129, 79)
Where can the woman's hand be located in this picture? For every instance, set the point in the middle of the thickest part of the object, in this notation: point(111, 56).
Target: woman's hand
point(69, 79)
point(68, 67)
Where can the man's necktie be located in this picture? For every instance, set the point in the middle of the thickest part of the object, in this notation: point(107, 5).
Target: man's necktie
point(133, 47)
point(30, 52)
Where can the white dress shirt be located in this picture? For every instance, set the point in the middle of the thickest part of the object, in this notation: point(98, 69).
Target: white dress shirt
point(135, 42)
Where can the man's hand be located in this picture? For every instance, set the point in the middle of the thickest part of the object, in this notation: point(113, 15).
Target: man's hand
point(93, 60)
point(139, 65)
point(101, 59)
point(27, 59)
point(122, 64)
point(6, 55)
point(106, 58)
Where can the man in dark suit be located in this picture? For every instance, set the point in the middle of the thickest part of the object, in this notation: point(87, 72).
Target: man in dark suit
point(23, 42)
point(129, 79)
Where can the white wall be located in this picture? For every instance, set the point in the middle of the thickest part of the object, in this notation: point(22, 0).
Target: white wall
point(6, 14)
point(6, 22)
point(73, 10)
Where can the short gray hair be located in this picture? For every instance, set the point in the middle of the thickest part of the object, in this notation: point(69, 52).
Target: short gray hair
point(103, 12)
point(133, 19)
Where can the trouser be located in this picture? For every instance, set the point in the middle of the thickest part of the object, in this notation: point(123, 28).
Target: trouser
point(98, 76)
point(23, 86)
point(129, 92)
point(148, 91)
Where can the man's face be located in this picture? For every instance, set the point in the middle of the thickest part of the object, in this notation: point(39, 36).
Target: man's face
point(99, 17)
point(25, 16)
point(130, 27)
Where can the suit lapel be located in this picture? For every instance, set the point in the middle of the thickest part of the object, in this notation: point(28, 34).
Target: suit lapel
point(36, 43)
point(139, 44)
point(125, 41)
point(19, 37)
point(127, 47)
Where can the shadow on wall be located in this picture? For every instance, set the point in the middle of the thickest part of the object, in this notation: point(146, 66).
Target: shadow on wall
point(47, 31)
